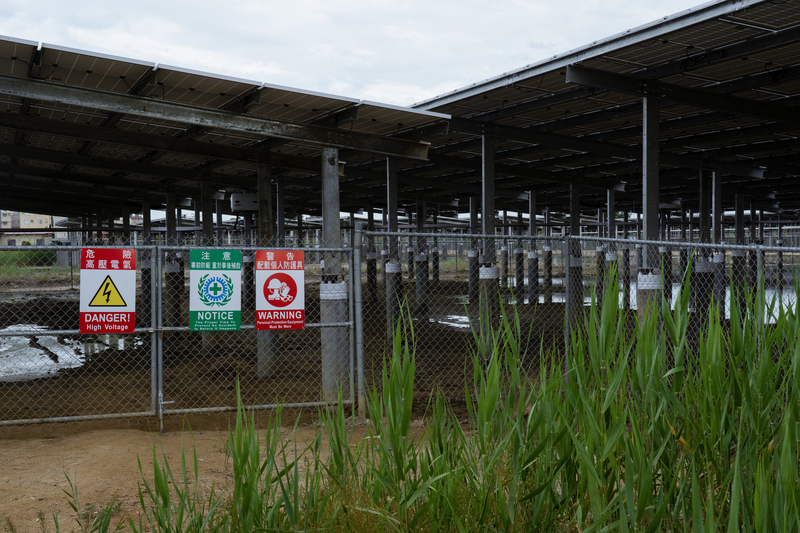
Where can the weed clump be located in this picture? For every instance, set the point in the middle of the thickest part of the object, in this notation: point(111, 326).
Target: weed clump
point(641, 432)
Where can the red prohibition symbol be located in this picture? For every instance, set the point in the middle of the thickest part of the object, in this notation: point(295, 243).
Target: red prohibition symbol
point(280, 289)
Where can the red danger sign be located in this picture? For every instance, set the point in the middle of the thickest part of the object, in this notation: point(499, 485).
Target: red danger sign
point(280, 289)
point(108, 290)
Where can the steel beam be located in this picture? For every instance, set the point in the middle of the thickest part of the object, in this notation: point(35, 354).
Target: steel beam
point(170, 144)
point(585, 145)
point(695, 97)
point(209, 118)
point(123, 165)
point(94, 179)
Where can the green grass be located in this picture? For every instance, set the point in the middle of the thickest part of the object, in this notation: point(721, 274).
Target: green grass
point(647, 434)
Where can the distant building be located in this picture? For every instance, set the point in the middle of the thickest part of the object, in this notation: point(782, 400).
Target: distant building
point(34, 229)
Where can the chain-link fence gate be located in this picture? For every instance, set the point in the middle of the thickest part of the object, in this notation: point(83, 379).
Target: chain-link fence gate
point(50, 372)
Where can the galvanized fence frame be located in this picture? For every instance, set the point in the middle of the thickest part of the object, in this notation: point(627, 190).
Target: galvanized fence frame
point(149, 331)
point(151, 259)
point(249, 328)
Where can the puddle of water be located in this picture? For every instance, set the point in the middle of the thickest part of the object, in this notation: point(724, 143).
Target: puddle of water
point(456, 321)
point(42, 355)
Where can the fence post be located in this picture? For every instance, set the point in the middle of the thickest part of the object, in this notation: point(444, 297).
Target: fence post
point(154, 334)
point(159, 295)
point(358, 322)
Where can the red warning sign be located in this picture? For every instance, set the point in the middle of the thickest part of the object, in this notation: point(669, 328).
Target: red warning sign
point(280, 289)
point(108, 290)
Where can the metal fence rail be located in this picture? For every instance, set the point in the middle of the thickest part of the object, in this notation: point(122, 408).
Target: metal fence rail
point(50, 372)
point(451, 288)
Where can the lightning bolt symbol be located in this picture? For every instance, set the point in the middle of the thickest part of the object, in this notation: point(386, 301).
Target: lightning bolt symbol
point(107, 291)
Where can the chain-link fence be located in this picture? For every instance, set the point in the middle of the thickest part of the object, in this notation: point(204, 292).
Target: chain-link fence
point(293, 367)
point(718, 275)
point(178, 359)
point(453, 289)
point(49, 371)
point(452, 286)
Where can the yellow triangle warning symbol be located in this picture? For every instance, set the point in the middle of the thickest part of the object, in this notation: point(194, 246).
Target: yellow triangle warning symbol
point(107, 295)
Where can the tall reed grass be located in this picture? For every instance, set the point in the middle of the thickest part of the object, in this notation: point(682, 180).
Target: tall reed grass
point(649, 433)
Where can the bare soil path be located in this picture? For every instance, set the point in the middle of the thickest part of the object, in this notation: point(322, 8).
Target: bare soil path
point(104, 463)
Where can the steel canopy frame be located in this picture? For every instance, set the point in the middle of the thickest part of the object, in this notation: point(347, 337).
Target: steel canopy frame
point(207, 117)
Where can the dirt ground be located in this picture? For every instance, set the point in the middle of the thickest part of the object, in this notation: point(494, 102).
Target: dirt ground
point(34, 463)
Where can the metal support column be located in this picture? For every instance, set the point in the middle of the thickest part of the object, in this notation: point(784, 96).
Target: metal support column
point(421, 262)
point(207, 208)
point(649, 285)
point(372, 258)
point(739, 257)
point(574, 263)
point(435, 249)
point(547, 260)
point(126, 226)
point(333, 292)
point(488, 274)
point(146, 262)
point(533, 257)
point(280, 213)
point(393, 275)
point(268, 345)
point(173, 270)
point(472, 254)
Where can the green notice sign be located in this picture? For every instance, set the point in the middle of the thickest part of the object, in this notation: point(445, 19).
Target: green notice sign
point(215, 299)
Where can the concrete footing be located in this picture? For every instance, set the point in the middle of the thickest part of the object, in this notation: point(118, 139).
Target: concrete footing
point(720, 282)
point(519, 274)
point(702, 286)
point(394, 296)
point(421, 273)
point(600, 278)
point(489, 293)
point(739, 278)
point(435, 265)
point(473, 274)
point(533, 278)
point(335, 341)
point(547, 273)
point(648, 295)
point(267, 354)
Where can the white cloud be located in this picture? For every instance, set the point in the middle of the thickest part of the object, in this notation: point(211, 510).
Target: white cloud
point(394, 51)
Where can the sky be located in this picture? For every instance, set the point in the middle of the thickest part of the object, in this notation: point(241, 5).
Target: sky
point(397, 52)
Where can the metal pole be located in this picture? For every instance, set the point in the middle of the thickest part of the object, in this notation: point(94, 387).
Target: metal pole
point(650, 281)
point(533, 258)
point(280, 215)
point(421, 261)
point(488, 274)
point(333, 291)
point(207, 208)
point(359, 322)
point(472, 254)
point(393, 274)
point(372, 258)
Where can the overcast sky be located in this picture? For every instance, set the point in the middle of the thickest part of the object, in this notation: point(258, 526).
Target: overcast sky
point(397, 51)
